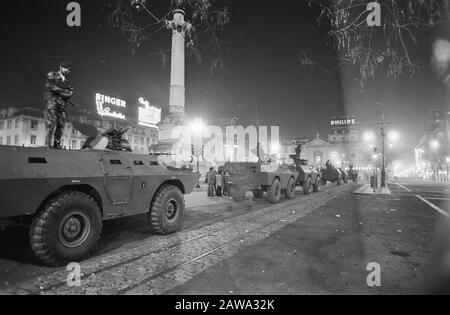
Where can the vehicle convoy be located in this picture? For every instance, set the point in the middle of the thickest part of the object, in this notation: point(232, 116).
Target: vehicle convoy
point(271, 180)
point(64, 196)
point(329, 173)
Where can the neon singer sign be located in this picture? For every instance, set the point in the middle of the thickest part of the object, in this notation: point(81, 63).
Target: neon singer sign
point(108, 106)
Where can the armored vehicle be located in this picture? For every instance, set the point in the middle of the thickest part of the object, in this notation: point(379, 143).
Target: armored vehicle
point(344, 175)
point(309, 177)
point(64, 196)
point(271, 178)
point(331, 174)
point(353, 175)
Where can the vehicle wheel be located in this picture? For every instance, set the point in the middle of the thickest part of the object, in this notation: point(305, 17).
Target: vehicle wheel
point(323, 182)
point(167, 210)
point(258, 194)
point(274, 191)
point(290, 191)
point(66, 229)
point(237, 194)
point(307, 186)
point(316, 185)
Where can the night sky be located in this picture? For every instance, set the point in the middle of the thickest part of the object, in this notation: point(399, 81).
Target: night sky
point(266, 38)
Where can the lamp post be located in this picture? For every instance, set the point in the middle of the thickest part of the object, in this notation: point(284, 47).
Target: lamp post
point(197, 128)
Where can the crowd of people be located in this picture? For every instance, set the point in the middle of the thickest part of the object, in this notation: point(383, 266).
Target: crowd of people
point(217, 182)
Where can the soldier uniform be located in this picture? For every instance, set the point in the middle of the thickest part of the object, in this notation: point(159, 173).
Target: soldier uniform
point(58, 92)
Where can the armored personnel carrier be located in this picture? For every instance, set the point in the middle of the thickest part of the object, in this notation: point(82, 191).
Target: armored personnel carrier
point(309, 177)
point(331, 174)
point(270, 179)
point(64, 196)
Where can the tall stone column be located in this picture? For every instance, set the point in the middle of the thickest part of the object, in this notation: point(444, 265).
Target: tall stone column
point(176, 111)
point(177, 88)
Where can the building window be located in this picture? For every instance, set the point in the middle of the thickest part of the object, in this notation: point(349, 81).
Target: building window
point(136, 140)
point(2, 125)
point(8, 140)
point(33, 139)
point(34, 124)
point(148, 141)
point(1, 140)
point(74, 144)
point(142, 141)
point(9, 125)
point(16, 140)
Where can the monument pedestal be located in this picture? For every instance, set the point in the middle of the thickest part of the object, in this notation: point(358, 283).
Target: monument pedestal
point(166, 140)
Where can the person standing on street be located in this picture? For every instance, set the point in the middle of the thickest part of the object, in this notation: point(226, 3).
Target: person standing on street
point(58, 92)
point(219, 184)
point(211, 181)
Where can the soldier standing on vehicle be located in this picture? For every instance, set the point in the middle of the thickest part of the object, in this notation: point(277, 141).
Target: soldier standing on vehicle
point(58, 92)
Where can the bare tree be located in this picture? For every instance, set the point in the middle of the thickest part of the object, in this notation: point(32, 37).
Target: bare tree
point(131, 18)
point(391, 47)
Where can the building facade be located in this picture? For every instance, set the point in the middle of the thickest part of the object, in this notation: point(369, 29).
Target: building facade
point(432, 153)
point(26, 127)
point(343, 147)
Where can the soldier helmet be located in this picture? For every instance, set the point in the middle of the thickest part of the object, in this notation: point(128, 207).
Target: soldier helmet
point(65, 64)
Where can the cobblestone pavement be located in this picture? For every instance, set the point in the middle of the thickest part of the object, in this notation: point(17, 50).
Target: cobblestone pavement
point(159, 263)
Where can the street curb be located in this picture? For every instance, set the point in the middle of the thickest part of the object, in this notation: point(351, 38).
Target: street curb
point(367, 190)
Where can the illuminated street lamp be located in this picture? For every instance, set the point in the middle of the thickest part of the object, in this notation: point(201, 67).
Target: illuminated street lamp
point(393, 136)
point(197, 126)
point(369, 137)
point(435, 144)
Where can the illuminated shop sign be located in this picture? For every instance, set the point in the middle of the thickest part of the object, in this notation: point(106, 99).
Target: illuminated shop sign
point(343, 122)
point(108, 106)
point(149, 115)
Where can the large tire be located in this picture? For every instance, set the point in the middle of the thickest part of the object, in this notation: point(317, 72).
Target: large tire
point(274, 191)
point(237, 194)
point(167, 210)
point(290, 191)
point(316, 185)
point(258, 194)
point(307, 186)
point(66, 229)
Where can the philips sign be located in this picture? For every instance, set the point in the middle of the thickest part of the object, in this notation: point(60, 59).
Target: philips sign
point(346, 122)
